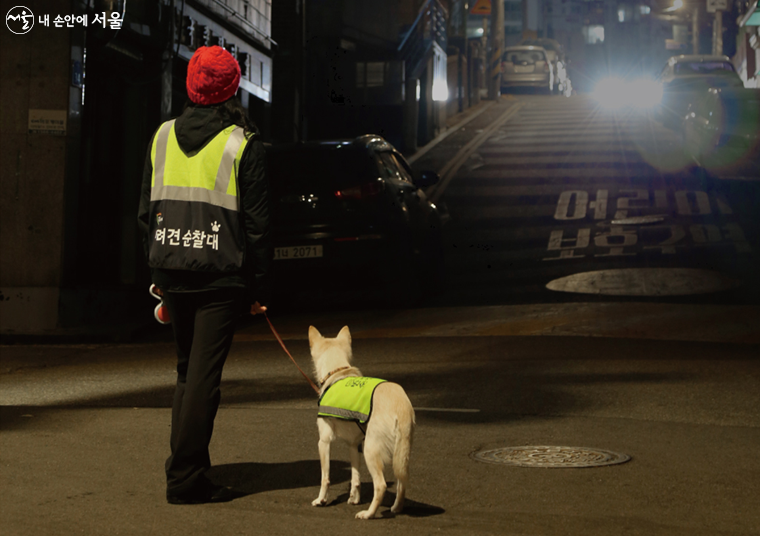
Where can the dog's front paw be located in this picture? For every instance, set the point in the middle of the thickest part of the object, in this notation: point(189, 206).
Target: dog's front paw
point(318, 502)
point(364, 514)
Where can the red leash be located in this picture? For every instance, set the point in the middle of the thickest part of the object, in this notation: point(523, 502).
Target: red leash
point(277, 336)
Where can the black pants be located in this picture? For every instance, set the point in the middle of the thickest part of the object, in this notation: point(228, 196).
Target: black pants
point(204, 324)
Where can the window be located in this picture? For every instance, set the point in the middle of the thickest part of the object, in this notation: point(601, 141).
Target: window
point(523, 57)
point(699, 67)
point(593, 35)
point(391, 167)
point(387, 166)
point(370, 74)
point(405, 172)
point(629, 13)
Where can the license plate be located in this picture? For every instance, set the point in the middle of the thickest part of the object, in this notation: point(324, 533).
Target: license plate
point(526, 69)
point(297, 252)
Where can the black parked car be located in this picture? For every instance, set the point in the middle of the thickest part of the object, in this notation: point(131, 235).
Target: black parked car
point(351, 211)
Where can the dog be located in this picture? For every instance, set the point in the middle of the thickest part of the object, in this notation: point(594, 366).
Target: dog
point(389, 431)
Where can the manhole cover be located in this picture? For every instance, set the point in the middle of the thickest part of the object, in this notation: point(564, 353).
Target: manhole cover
point(644, 282)
point(551, 457)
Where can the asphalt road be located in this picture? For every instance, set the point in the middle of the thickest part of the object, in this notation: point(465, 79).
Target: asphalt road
point(546, 192)
point(493, 359)
point(85, 432)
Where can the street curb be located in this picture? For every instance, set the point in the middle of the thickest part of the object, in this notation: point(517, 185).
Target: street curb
point(450, 130)
point(449, 171)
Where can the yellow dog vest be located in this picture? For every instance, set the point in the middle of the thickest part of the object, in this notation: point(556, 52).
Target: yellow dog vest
point(349, 399)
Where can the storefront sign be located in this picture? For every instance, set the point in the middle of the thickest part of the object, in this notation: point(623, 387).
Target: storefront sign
point(47, 122)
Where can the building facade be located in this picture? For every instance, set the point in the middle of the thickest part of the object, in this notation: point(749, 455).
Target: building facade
point(353, 67)
point(747, 58)
point(84, 89)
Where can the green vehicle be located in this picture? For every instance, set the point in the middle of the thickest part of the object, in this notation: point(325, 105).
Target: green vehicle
point(685, 77)
point(721, 132)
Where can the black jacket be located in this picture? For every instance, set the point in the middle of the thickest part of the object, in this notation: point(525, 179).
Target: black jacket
point(194, 129)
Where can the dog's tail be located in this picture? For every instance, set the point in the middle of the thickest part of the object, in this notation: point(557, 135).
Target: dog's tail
point(402, 447)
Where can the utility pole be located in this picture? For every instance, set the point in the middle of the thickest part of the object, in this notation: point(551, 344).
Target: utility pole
point(718, 34)
point(695, 29)
point(717, 7)
point(493, 66)
point(301, 125)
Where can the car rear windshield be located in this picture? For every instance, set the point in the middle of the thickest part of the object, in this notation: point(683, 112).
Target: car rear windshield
point(317, 168)
point(523, 57)
point(548, 45)
point(707, 67)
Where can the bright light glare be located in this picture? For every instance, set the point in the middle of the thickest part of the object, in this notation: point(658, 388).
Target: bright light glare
point(609, 92)
point(616, 93)
point(440, 90)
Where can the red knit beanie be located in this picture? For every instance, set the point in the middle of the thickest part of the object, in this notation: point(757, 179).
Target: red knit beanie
point(213, 76)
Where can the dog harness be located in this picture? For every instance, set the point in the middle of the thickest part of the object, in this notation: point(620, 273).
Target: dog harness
point(349, 399)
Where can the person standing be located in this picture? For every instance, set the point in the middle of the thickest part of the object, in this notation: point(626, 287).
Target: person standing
point(204, 215)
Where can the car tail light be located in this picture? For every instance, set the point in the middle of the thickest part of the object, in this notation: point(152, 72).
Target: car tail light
point(546, 67)
point(363, 191)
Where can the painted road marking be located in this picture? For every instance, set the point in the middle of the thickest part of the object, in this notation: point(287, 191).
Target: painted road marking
point(574, 204)
point(619, 241)
point(560, 147)
point(571, 158)
point(552, 142)
point(449, 410)
point(550, 173)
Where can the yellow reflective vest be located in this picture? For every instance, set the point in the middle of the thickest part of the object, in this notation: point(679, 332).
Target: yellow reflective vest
point(195, 214)
point(349, 398)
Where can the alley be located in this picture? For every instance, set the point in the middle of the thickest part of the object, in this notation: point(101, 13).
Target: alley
point(564, 187)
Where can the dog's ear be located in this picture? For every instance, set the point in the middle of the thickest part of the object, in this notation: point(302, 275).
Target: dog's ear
point(314, 336)
point(345, 335)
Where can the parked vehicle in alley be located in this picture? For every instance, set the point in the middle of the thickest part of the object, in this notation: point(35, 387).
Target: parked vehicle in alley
point(686, 76)
point(351, 208)
point(558, 60)
point(721, 131)
point(526, 66)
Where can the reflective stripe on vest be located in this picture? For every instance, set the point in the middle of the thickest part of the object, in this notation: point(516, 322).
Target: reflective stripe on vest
point(349, 398)
point(207, 176)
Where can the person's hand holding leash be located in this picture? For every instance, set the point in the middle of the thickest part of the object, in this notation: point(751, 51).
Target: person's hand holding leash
point(257, 308)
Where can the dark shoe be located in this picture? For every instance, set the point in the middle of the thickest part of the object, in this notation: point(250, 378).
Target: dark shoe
point(208, 493)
